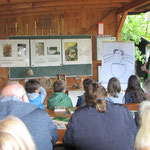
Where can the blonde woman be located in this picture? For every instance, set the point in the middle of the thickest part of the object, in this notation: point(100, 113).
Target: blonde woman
point(14, 135)
point(142, 141)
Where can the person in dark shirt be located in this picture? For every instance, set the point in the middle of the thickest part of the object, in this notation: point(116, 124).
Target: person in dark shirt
point(134, 93)
point(80, 100)
point(100, 125)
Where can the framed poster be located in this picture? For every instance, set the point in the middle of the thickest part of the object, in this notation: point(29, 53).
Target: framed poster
point(99, 45)
point(14, 53)
point(77, 51)
point(118, 61)
point(46, 52)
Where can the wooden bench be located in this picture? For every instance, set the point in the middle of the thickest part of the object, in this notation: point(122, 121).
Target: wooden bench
point(132, 107)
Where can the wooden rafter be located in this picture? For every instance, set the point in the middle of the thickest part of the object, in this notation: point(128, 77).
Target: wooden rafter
point(122, 20)
point(132, 5)
point(61, 1)
point(19, 7)
point(29, 8)
point(6, 8)
point(120, 24)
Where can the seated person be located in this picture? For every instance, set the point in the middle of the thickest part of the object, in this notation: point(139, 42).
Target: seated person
point(143, 104)
point(142, 141)
point(59, 97)
point(14, 101)
point(14, 135)
point(113, 89)
point(80, 100)
point(100, 125)
point(134, 93)
point(36, 93)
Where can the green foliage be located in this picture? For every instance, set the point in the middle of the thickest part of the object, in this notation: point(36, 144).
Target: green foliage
point(139, 56)
point(134, 28)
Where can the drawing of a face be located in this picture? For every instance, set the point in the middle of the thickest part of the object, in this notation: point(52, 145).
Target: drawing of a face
point(118, 55)
point(117, 59)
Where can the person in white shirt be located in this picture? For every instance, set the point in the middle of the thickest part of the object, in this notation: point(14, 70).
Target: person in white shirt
point(114, 91)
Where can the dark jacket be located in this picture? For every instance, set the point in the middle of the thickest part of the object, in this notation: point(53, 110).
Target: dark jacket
point(80, 101)
point(89, 129)
point(128, 98)
point(39, 124)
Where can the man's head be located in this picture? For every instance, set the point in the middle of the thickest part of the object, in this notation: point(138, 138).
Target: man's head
point(15, 90)
point(147, 88)
point(59, 86)
point(32, 86)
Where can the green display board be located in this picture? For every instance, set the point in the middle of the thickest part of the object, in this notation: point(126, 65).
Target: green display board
point(51, 71)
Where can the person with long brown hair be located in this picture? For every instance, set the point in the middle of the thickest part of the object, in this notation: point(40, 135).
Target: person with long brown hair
point(114, 90)
point(100, 124)
point(134, 93)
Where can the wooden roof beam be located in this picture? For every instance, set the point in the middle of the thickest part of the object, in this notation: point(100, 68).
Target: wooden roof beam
point(134, 4)
point(120, 24)
point(59, 1)
point(21, 1)
point(48, 12)
point(48, 8)
point(40, 5)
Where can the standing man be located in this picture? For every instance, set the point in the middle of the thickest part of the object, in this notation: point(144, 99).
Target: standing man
point(14, 101)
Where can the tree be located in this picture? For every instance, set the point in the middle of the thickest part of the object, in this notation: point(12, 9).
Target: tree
point(134, 27)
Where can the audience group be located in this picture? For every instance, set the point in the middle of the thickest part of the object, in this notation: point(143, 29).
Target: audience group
point(100, 122)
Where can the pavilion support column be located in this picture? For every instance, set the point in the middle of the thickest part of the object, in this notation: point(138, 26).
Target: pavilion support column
point(120, 22)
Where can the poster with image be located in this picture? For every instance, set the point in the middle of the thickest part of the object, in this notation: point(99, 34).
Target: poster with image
point(39, 48)
point(118, 61)
point(53, 50)
point(46, 52)
point(77, 51)
point(14, 53)
point(22, 50)
point(71, 52)
point(7, 50)
point(99, 45)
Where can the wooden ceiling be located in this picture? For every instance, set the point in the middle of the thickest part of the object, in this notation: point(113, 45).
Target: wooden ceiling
point(32, 7)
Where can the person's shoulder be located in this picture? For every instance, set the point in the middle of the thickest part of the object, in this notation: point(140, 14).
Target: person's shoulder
point(81, 96)
point(120, 94)
point(65, 95)
point(39, 111)
point(117, 106)
point(53, 95)
point(127, 93)
point(82, 109)
point(40, 115)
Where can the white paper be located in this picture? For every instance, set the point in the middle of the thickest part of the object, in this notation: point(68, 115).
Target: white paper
point(99, 42)
point(118, 61)
point(14, 53)
point(77, 51)
point(46, 52)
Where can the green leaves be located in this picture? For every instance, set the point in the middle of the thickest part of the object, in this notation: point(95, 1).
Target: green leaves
point(139, 56)
point(134, 28)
